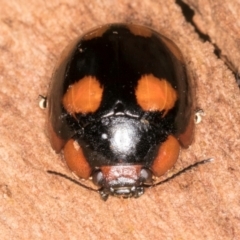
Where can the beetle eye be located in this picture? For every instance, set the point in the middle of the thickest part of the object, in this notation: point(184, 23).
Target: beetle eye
point(145, 175)
point(97, 178)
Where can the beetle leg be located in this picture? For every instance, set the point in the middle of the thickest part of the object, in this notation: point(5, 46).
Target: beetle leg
point(42, 102)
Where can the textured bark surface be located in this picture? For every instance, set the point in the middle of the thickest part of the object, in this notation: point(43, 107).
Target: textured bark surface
point(220, 21)
point(200, 204)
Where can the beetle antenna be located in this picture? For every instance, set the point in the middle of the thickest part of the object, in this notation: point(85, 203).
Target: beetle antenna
point(179, 173)
point(72, 180)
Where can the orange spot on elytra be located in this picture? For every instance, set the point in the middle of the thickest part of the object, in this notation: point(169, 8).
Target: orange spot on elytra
point(140, 30)
point(83, 96)
point(154, 94)
point(75, 159)
point(98, 32)
point(57, 142)
point(167, 156)
point(186, 138)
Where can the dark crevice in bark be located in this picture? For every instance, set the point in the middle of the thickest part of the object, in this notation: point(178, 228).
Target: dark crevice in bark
point(188, 14)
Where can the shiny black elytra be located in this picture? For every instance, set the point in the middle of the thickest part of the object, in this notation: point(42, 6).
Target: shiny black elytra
point(120, 106)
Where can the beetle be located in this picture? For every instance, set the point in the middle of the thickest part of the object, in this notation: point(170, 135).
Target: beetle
point(120, 107)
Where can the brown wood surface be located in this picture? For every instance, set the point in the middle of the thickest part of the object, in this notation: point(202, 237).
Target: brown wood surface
point(219, 20)
point(200, 204)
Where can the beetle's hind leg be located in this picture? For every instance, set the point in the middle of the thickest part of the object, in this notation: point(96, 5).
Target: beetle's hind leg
point(42, 102)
